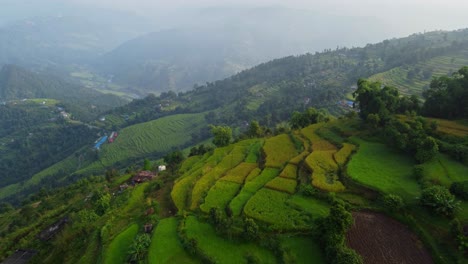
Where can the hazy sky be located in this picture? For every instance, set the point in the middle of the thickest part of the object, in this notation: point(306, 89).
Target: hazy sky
point(418, 15)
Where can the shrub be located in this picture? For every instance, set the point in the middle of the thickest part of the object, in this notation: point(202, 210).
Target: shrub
point(439, 200)
point(460, 189)
point(393, 202)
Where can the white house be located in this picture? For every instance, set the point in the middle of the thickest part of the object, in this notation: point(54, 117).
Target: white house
point(161, 167)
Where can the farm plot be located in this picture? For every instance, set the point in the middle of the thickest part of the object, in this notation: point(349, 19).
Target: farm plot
point(279, 150)
point(342, 156)
point(380, 239)
point(289, 172)
point(181, 192)
point(379, 167)
point(282, 185)
point(271, 207)
point(118, 248)
point(254, 152)
point(207, 180)
point(317, 143)
point(250, 187)
point(222, 250)
point(445, 171)
point(324, 171)
point(239, 173)
point(314, 207)
point(220, 195)
point(165, 246)
point(158, 136)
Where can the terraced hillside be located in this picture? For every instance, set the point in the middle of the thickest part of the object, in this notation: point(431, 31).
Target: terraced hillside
point(150, 139)
point(413, 79)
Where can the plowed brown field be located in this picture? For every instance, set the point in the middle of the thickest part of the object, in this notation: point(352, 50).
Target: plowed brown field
point(380, 239)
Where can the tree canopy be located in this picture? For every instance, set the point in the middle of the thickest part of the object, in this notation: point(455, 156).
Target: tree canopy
point(447, 97)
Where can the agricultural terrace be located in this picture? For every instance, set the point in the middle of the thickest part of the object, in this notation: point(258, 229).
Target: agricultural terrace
point(445, 171)
point(239, 173)
point(289, 172)
point(182, 190)
point(342, 156)
point(165, 246)
point(317, 143)
point(220, 195)
point(209, 178)
point(437, 66)
point(220, 249)
point(117, 250)
point(279, 150)
point(254, 152)
point(282, 185)
point(158, 136)
point(251, 187)
point(455, 128)
point(271, 207)
point(324, 171)
point(379, 167)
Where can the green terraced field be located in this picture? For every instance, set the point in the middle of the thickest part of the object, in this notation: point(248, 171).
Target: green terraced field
point(438, 66)
point(445, 171)
point(379, 167)
point(117, 251)
point(250, 188)
point(165, 246)
point(220, 195)
point(158, 136)
point(222, 250)
point(239, 173)
point(208, 179)
point(271, 207)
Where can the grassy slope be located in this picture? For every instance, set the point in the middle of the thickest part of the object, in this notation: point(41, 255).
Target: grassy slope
point(381, 168)
point(301, 250)
point(222, 250)
point(151, 138)
point(118, 248)
point(165, 246)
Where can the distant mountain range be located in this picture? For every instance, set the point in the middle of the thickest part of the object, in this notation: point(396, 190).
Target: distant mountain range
point(222, 42)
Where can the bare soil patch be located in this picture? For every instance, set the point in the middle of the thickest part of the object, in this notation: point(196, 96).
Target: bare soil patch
point(381, 239)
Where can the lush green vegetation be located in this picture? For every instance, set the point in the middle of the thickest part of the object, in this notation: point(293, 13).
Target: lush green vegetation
point(301, 250)
point(165, 246)
point(222, 250)
point(120, 245)
point(220, 195)
point(380, 167)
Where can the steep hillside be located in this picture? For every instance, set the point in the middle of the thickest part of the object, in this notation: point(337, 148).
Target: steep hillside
point(415, 78)
point(18, 83)
point(266, 199)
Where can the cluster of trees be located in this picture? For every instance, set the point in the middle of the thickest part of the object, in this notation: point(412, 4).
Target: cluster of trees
point(412, 137)
point(332, 231)
point(42, 148)
point(377, 104)
point(309, 116)
point(447, 97)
